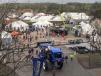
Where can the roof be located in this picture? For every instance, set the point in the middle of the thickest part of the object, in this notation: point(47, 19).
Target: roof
point(55, 50)
point(58, 18)
point(42, 23)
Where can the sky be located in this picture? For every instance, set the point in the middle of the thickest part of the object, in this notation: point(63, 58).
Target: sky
point(48, 1)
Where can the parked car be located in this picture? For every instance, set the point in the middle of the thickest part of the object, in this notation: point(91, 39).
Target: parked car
point(76, 41)
point(82, 50)
point(71, 41)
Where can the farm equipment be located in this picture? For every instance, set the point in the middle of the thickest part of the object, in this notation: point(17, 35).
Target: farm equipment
point(53, 57)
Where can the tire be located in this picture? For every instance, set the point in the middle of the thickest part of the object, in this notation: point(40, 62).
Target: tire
point(60, 65)
point(45, 66)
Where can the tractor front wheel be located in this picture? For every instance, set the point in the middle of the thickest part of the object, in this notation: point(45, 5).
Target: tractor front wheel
point(60, 65)
point(45, 66)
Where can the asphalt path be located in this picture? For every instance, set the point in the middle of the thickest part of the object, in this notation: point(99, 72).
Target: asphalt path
point(72, 68)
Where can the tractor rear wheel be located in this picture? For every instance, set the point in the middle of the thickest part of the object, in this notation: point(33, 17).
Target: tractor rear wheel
point(60, 65)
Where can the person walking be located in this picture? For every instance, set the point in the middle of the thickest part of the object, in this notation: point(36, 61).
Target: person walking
point(72, 56)
point(36, 52)
point(66, 58)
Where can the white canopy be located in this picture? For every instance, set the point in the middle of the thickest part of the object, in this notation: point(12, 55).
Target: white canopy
point(42, 24)
point(41, 18)
point(19, 25)
point(34, 19)
point(64, 15)
point(26, 16)
point(45, 18)
point(58, 18)
point(40, 14)
point(86, 28)
point(77, 16)
point(7, 18)
point(13, 15)
point(6, 38)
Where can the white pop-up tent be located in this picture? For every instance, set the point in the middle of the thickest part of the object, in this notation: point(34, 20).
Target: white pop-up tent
point(26, 16)
point(45, 18)
point(77, 16)
point(34, 18)
point(6, 38)
point(18, 25)
point(40, 14)
point(42, 24)
point(27, 19)
point(41, 18)
point(12, 15)
point(86, 28)
point(58, 18)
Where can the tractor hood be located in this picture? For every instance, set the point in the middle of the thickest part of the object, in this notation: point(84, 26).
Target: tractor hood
point(59, 59)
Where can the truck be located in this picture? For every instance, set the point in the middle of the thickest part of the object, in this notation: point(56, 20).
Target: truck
point(53, 56)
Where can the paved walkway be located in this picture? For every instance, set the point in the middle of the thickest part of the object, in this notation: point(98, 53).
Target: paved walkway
point(71, 69)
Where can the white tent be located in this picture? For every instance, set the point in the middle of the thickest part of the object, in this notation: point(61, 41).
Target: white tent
point(42, 24)
point(7, 19)
point(18, 25)
point(58, 18)
point(40, 14)
point(64, 15)
point(77, 16)
point(34, 18)
point(26, 16)
point(41, 18)
point(13, 15)
point(86, 28)
point(45, 18)
point(27, 19)
point(83, 16)
point(6, 38)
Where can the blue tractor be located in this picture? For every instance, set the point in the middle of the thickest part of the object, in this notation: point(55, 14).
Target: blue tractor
point(53, 57)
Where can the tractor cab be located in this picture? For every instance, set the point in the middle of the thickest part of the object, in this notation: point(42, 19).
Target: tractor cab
point(56, 54)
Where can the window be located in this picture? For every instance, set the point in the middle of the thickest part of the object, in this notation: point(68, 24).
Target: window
point(57, 55)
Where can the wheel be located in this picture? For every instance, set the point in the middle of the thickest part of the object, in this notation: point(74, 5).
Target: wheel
point(45, 66)
point(60, 65)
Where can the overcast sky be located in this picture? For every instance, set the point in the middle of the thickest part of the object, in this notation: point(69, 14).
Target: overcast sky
point(51, 1)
